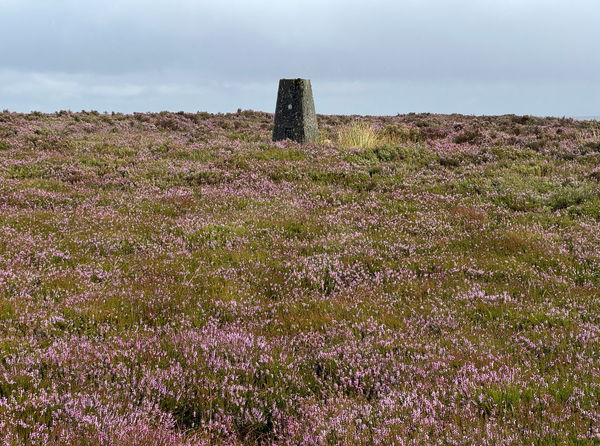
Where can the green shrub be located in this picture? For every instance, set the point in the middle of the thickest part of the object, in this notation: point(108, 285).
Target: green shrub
point(470, 136)
point(567, 197)
point(394, 134)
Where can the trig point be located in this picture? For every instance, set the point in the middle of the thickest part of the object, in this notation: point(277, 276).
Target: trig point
point(295, 116)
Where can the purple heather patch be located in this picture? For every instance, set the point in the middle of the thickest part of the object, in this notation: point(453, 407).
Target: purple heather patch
point(179, 279)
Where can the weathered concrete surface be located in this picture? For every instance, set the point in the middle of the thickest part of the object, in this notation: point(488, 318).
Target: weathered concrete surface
point(295, 116)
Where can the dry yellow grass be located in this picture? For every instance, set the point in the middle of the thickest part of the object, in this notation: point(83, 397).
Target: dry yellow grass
point(358, 134)
point(362, 135)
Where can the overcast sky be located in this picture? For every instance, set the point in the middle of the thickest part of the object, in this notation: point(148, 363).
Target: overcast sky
point(537, 57)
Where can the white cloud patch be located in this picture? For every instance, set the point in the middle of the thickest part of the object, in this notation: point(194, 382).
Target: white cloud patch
point(51, 91)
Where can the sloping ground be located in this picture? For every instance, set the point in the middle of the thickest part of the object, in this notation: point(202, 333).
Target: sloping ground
point(180, 279)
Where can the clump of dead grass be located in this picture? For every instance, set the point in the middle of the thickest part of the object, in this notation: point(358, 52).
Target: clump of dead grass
point(362, 135)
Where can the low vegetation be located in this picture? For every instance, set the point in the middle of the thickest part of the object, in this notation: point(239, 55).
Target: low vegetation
point(180, 279)
point(364, 135)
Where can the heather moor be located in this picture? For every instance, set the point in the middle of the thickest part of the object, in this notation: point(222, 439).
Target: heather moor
point(180, 279)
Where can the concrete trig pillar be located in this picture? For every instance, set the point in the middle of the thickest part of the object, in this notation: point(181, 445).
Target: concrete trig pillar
point(295, 116)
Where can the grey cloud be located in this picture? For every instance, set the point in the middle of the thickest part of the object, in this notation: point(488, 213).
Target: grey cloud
point(498, 53)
